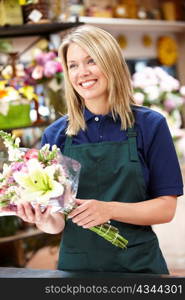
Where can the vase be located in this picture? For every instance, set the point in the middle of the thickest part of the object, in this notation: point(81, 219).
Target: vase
point(18, 116)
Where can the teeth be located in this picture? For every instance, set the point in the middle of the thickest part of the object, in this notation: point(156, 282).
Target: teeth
point(88, 83)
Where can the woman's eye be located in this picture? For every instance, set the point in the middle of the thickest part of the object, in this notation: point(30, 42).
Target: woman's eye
point(72, 66)
point(91, 61)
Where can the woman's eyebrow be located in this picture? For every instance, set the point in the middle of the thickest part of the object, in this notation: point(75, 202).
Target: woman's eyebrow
point(70, 61)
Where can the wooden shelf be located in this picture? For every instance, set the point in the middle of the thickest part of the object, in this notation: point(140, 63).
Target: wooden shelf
point(35, 29)
point(21, 235)
point(18, 249)
point(134, 24)
point(35, 125)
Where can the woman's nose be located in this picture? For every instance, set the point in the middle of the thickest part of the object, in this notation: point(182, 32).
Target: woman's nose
point(84, 70)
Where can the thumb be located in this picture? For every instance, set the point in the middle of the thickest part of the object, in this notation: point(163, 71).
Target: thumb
point(79, 201)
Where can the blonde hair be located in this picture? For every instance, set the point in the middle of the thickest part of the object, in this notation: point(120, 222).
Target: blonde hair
point(105, 51)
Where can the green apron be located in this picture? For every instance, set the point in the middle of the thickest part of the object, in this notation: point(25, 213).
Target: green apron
point(111, 171)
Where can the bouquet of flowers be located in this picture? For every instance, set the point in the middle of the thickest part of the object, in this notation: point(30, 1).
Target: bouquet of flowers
point(37, 176)
point(44, 67)
point(46, 177)
point(155, 88)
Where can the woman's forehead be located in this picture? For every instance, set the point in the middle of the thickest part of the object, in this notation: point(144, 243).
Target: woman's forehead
point(75, 51)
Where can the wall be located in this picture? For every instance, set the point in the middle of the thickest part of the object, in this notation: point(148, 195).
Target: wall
point(172, 237)
point(134, 49)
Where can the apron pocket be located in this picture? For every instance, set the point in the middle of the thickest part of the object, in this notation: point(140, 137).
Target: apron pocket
point(144, 258)
point(73, 261)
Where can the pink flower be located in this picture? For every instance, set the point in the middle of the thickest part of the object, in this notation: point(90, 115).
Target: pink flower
point(10, 180)
point(2, 191)
point(59, 66)
point(49, 56)
point(50, 68)
point(40, 59)
point(169, 104)
point(31, 153)
point(17, 166)
point(37, 72)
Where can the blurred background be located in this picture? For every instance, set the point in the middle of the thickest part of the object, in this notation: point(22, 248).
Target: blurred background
point(151, 34)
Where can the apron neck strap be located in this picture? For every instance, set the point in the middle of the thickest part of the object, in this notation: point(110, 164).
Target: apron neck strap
point(131, 133)
point(68, 142)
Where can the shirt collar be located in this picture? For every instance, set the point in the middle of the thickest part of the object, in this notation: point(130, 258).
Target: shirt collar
point(88, 115)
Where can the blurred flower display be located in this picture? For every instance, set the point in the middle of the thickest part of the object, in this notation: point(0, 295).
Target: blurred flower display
point(15, 104)
point(46, 69)
point(14, 94)
point(155, 88)
point(40, 80)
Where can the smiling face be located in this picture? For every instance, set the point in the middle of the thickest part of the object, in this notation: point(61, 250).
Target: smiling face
point(85, 76)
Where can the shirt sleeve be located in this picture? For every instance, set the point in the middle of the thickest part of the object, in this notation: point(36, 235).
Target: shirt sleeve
point(165, 176)
point(54, 134)
point(43, 140)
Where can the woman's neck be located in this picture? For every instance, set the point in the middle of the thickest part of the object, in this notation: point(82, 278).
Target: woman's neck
point(97, 108)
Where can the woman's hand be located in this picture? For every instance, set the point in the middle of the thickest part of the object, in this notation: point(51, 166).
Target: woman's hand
point(45, 220)
point(90, 213)
point(7, 210)
point(33, 215)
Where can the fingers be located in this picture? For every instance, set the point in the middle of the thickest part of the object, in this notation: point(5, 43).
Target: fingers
point(6, 209)
point(38, 214)
point(82, 206)
point(85, 221)
point(90, 224)
point(80, 201)
point(90, 213)
point(78, 210)
point(41, 216)
point(81, 219)
point(26, 212)
point(82, 215)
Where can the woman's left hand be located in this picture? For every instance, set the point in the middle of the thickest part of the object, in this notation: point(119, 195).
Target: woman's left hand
point(90, 213)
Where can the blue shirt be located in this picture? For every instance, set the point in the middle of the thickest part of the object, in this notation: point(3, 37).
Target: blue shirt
point(155, 146)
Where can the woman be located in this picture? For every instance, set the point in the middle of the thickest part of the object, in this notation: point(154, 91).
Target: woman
point(130, 172)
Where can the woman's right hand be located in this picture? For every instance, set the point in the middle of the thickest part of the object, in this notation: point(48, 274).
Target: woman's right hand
point(44, 220)
point(33, 215)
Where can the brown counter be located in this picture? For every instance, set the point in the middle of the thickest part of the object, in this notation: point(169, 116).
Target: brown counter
point(35, 273)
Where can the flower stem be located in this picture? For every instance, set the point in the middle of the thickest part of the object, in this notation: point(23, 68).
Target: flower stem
point(111, 234)
point(107, 231)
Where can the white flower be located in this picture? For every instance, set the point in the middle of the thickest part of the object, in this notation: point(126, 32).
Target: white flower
point(38, 184)
point(45, 147)
point(180, 146)
point(4, 108)
point(152, 92)
point(144, 78)
point(14, 154)
point(139, 98)
point(182, 90)
point(17, 141)
point(54, 147)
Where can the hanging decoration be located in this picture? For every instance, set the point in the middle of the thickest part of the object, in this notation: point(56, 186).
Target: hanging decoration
point(167, 50)
point(147, 40)
point(122, 41)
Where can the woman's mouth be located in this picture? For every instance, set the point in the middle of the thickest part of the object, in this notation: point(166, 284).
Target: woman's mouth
point(89, 83)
